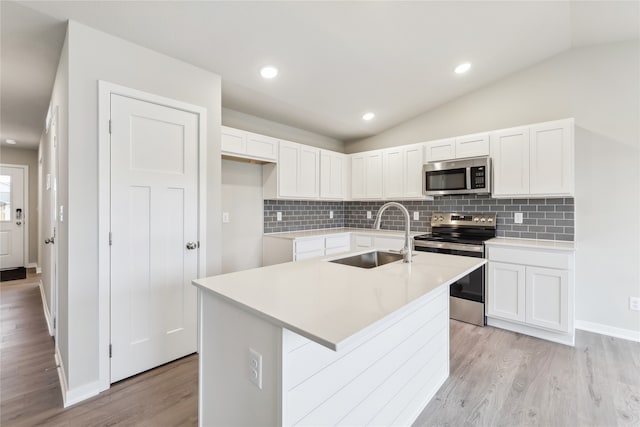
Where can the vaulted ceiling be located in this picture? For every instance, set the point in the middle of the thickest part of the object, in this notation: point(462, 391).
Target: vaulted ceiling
point(337, 60)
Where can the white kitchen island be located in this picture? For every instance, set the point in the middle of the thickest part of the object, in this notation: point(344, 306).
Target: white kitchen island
point(331, 344)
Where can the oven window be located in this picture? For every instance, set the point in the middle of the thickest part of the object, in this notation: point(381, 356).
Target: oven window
point(451, 179)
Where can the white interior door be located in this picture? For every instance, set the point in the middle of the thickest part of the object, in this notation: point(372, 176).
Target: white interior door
point(154, 226)
point(12, 216)
point(50, 221)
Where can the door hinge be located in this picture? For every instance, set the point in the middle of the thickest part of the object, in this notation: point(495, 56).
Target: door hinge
point(110, 239)
point(109, 125)
point(54, 323)
point(198, 244)
point(110, 351)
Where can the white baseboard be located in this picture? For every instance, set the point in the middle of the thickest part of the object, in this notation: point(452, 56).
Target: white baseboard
point(559, 337)
point(32, 265)
point(612, 331)
point(38, 270)
point(78, 394)
point(45, 307)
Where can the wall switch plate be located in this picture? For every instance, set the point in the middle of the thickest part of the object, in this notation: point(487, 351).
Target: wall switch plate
point(517, 217)
point(279, 216)
point(330, 214)
point(255, 368)
point(634, 303)
point(225, 217)
point(368, 214)
point(416, 216)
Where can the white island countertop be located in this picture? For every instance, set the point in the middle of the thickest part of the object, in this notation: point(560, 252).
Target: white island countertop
point(332, 304)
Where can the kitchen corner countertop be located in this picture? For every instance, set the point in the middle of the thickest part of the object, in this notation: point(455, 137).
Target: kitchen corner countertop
point(328, 231)
point(531, 243)
point(331, 303)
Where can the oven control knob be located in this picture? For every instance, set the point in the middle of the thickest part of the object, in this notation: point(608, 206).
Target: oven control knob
point(440, 218)
point(476, 219)
point(482, 219)
point(490, 219)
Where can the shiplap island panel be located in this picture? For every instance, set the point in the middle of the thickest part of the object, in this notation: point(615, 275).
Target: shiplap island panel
point(339, 344)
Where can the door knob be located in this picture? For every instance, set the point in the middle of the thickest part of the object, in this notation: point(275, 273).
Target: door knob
point(192, 245)
point(50, 240)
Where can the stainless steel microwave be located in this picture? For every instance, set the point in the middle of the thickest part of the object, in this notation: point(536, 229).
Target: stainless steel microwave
point(464, 176)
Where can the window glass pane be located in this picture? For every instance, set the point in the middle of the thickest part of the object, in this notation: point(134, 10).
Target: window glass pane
point(5, 198)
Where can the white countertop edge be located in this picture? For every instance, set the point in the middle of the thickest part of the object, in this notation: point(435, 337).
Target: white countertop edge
point(336, 346)
point(532, 243)
point(300, 234)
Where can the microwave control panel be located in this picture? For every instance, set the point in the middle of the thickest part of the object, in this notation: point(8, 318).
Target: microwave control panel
point(478, 177)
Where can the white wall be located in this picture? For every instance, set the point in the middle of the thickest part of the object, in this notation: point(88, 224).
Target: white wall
point(600, 87)
point(262, 126)
point(94, 56)
point(242, 199)
point(17, 156)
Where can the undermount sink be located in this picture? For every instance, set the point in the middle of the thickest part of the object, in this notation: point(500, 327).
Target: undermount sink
point(369, 259)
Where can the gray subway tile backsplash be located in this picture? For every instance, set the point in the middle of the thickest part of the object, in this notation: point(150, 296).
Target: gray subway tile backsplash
point(548, 219)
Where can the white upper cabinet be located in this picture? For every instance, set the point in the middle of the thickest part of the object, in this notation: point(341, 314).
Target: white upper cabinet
point(366, 175)
point(243, 144)
point(297, 174)
point(535, 160)
point(403, 172)
point(472, 145)
point(459, 147)
point(334, 171)
point(510, 162)
point(442, 149)
point(551, 160)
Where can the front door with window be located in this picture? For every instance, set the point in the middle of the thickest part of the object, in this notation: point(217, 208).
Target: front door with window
point(12, 216)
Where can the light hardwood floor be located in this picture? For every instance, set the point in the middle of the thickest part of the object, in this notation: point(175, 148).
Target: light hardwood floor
point(497, 378)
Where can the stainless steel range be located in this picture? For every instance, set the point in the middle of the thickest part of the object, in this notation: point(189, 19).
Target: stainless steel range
point(462, 234)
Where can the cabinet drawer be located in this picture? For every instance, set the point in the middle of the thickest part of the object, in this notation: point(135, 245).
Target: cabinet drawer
point(385, 243)
point(362, 241)
point(338, 250)
point(309, 255)
point(559, 260)
point(308, 245)
point(337, 241)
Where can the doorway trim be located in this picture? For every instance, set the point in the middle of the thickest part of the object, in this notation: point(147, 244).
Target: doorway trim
point(25, 210)
point(105, 90)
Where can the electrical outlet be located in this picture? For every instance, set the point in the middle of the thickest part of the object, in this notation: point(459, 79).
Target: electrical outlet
point(368, 214)
point(225, 217)
point(279, 216)
point(255, 368)
point(330, 214)
point(634, 303)
point(517, 217)
point(416, 216)
point(61, 213)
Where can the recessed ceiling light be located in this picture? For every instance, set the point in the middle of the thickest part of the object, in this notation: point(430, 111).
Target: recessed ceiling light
point(463, 68)
point(269, 72)
point(11, 141)
point(368, 116)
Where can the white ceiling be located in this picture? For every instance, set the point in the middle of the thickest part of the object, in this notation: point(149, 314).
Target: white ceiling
point(337, 60)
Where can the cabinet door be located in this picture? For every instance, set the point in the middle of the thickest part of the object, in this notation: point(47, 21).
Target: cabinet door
point(288, 169)
point(261, 146)
point(442, 149)
point(551, 158)
point(358, 185)
point(510, 162)
point(548, 298)
point(472, 145)
point(393, 173)
point(373, 175)
point(386, 242)
point(506, 291)
point(333, 168)
point(362, 242)
point(308, 171)
point(413, 161)
point(233, 140)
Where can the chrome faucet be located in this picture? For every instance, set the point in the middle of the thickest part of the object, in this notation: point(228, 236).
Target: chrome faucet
point(406, 251)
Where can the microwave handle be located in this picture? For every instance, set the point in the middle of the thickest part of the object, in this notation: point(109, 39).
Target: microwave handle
point(468, 177)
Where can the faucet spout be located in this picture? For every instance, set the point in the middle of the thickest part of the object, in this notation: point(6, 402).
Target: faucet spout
point(406, 251)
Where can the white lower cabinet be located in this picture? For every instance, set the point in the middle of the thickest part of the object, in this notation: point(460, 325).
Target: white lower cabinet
point(531, 291)
point(277, 250)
